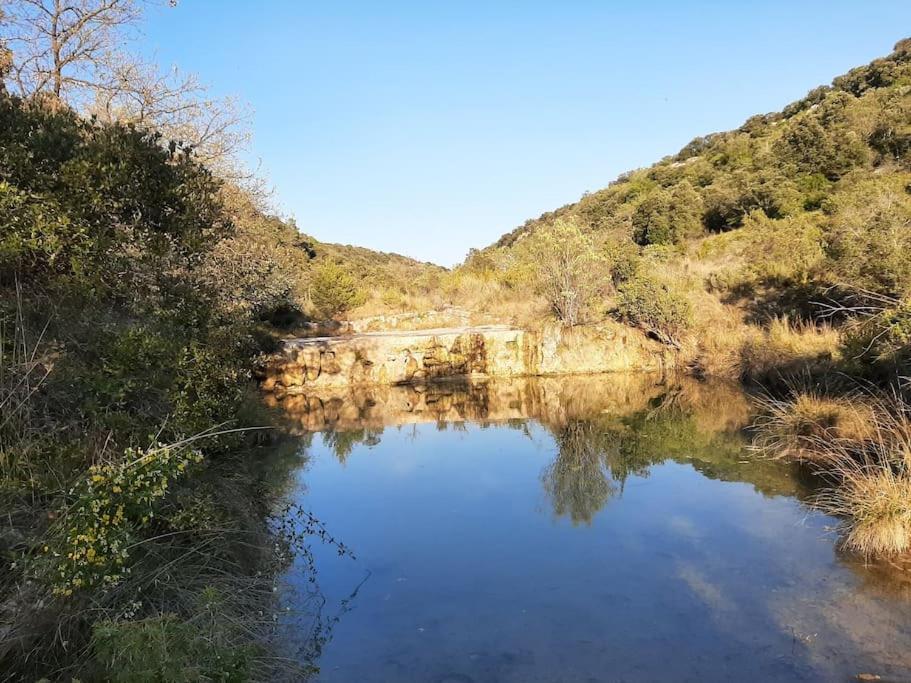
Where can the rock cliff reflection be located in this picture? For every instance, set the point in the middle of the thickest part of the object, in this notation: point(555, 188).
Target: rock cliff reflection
point(606, 428)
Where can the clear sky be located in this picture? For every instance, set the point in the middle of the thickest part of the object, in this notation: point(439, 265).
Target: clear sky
point(427, 128)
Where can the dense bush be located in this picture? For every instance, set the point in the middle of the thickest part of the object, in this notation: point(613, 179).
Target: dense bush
point(869, 239)
point(333, 290)
point(124, 322)
point(644, 302)
point(784, 252)
point(668, 217)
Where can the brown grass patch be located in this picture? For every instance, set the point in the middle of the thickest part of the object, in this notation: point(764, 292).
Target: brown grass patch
point(862, 446)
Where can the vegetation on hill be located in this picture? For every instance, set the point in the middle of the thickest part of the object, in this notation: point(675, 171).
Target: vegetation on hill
point(801, 216)
point(779, 252)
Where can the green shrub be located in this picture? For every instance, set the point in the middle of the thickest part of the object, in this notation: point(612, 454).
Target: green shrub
point(813, 148)
point(568, 270)
point(869, 240)
point(90, 545)
point(623, 260)
point(785, 251)
point(651, 305)
point(333, 290)
point(667, 217)
point(165, 648)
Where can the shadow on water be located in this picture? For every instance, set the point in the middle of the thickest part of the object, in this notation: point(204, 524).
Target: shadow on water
point(702, 552)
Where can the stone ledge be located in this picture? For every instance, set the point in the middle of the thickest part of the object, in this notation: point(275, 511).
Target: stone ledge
point(394, 357)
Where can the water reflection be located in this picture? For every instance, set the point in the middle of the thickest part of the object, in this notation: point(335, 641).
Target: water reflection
point(594, 528)
point(580, 481)
point(606, 429)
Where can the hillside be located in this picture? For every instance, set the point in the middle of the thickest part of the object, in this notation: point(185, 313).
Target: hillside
point(380, 271)
point(779, 162)
point(270, 262)
point(770, 235)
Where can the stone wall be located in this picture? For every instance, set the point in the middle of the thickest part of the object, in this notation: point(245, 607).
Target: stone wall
point(388, 358)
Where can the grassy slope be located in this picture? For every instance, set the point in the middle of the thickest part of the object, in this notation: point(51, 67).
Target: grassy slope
point(786, 207)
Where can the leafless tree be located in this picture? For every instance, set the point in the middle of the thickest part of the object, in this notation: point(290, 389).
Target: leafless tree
point(180, 107)
point(74, 51)
point(6, 55)
point(66, 47)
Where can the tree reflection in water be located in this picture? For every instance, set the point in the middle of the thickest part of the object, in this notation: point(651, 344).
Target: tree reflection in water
point(579, 481)
point(605, 429)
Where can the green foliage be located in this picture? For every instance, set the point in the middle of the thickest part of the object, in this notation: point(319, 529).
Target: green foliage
point(623, 260)
point(668, 217)
point(108, 508)
point(165, 648)
point(129, 305)
point(129, 200)
point(333, 290)
point(732, 197)
point(569, 272)
point(819, 194)
point(38, 236)
point(811, 148)
point(869, 239)
point(644, 302)
point(785, 251)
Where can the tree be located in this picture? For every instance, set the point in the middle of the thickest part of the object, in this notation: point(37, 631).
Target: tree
point(333, 290)
point(67, 48)
point(665, 217)
point(579, 481)
point(568, 269)
point(72, 51)
point(654, 307)
point(814, 148)
point(6, 55)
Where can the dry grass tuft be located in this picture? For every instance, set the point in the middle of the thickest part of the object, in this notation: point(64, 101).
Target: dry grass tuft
point(862, 446)
point(806, 426)
point(786, 347)
point(876, 502)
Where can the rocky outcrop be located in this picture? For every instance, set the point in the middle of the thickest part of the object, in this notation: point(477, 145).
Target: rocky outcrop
point(388, 358)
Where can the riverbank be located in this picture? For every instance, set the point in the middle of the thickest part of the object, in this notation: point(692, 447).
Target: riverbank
point(134, 527)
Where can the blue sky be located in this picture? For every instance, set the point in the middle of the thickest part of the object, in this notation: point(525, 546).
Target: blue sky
point(427, 128)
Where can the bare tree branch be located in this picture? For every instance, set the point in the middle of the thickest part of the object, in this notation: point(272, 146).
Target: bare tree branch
point(73, 50)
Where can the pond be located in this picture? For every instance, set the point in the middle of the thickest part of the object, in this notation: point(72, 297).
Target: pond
point(610, 528)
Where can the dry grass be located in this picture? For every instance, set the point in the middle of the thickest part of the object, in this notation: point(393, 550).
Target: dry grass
point(862, 447)
point(806, 426)
point(876, 504)
point(788, 348)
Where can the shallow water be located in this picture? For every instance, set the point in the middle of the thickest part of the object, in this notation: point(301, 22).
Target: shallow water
point(596, 529)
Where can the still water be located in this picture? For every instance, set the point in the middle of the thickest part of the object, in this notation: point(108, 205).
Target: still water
point(595, 529)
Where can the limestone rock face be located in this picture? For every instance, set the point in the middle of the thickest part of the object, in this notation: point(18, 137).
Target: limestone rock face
point(385, 358)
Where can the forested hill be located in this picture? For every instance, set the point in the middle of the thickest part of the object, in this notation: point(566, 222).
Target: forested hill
point(377, 269)
point(784, 164)
point(797, 218)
